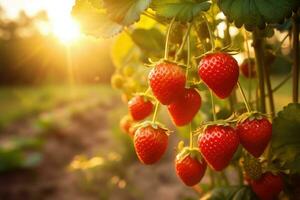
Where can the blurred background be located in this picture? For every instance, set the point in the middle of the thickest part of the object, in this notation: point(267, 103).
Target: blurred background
point(59, 116)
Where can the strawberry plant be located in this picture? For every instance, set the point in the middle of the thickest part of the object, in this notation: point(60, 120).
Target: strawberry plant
point(184, 55)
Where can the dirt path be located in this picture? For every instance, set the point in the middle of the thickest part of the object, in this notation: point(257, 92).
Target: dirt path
point(84, 135)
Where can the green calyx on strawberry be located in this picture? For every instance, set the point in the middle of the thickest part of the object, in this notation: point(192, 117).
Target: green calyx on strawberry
point(167, 81)
point(140, 107)
point(184, 109)
point(268, 186)
point(255, 132)
point(252, 167)
point(220, 72)
point(150, 142)
point(190, 167)
point(218, 143)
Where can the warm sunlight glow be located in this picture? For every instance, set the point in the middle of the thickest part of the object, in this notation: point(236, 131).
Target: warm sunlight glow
point(66, 30)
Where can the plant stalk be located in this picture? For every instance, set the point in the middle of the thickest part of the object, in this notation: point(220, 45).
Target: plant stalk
point(185, 37)
point(155, 112)
point(296, 58)
point(259, 56)
point(244, 97)
point(269, 89)
point(213, 107)
point(167, 40)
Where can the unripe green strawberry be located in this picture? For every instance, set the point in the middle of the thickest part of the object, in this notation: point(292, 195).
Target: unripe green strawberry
point(117, 81)
point(167, 81)
point(150, 143)
point(252, 167)
point(190, 168)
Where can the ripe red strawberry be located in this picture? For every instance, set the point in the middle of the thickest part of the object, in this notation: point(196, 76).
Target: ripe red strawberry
point(248, 68)
point(140, 107)
point(217, 144)
point(189, 169)
point(127, 125)
point(150, 143)
point(268, 186)
point(167, 81)
point(255, 135)
point(185, 108)
point(220, 72)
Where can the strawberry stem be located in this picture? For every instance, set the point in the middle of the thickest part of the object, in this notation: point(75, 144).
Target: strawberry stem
point(213, 108)
point(167, 39)
point(185, 37)
point(188, 60)
point(147, 91)
point(249, 66)
point(155, 112)
point(244, 97)
point(295, 68)
point(191, 135)
point(212, 41)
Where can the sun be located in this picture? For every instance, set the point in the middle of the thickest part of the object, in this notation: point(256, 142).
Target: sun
point(67, 30)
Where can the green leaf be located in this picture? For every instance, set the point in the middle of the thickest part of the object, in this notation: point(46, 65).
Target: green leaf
point(151, 41)
point(286, 137)
point(183, 10)
point(93, 19)
point(230, 193)
point(125, 12)
point(257, 13)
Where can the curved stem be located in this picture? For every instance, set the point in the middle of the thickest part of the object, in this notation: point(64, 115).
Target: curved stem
point(212, 41)
point(249, 66)
point(188, 60)
point(167, 39)
point(282, 83)
point(296, 58)
point(185, 37)
point(270, 92)
point(244, 97)
point(259, 55)
point(155, 112)
point(213, 108)
point(281, 42)
point(191, 135)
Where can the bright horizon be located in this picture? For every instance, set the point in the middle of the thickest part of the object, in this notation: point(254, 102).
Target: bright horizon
point(59, 13)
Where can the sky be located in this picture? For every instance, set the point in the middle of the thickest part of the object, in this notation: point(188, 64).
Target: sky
point(56, 9)
point(59, 12)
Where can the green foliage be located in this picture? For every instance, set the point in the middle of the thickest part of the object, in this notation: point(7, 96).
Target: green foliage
point(230, 193)
point(125, 12)
point(257, 13)
point(183, 10)
point(13, 156)
point(154, 45)
point(94, 21)
point(286, 138)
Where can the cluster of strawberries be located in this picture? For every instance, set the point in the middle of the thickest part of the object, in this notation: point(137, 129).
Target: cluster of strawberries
point(217, 141)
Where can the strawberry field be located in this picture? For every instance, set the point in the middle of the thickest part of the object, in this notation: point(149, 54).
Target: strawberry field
point(152, 99)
